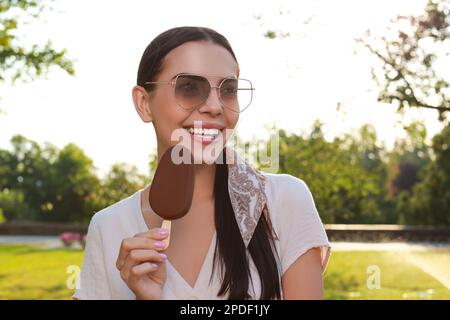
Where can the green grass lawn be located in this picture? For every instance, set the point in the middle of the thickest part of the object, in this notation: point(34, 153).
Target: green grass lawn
point(30, 272)
point(400, 277)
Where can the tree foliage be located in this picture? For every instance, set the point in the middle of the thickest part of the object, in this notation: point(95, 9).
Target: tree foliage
point(412, 54)
point(47, 184)
point(18, 61)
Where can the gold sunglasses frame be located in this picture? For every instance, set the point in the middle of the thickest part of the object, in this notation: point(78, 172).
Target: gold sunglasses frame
point(174, 79)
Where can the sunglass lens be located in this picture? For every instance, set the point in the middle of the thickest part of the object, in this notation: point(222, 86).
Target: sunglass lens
point(191, 91)
point(236, 94)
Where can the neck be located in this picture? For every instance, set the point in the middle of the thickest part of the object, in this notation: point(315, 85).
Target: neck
point(204, 183)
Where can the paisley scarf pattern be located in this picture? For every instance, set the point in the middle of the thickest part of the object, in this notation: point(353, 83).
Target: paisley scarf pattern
point(246, 187)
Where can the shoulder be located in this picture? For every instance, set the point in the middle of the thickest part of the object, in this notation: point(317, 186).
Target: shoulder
point(290, 201)
point(116, 216)
point(297, 221)
point(286, 188)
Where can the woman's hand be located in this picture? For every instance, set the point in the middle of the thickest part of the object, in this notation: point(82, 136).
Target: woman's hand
point(141, 265)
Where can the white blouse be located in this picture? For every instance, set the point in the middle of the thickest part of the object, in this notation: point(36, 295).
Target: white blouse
point(292, 212)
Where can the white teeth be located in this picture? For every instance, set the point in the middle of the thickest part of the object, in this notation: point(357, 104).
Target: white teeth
point(211, 132)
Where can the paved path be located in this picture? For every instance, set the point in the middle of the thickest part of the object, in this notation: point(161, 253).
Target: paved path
point(53, 241)
point(389, 246)
point(47, 241)
point(440, 270)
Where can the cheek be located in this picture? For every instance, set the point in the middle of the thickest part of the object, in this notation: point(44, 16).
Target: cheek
point(232, 120)
point(168, 117)
point(167, 113)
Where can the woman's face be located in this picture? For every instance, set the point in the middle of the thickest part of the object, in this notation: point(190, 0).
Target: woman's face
point(173, 123)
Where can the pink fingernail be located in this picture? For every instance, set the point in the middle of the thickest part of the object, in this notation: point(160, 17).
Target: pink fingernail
point(163, 232)
point(162, 255)
point(159, 244)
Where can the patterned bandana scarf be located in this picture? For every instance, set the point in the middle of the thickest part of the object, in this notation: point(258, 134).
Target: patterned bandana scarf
point(246, 187)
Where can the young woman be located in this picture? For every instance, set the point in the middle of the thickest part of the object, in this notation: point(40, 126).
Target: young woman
point(247, 235)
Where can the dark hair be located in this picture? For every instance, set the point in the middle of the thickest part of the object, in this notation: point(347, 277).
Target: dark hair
point(152, 60)
point(230, 248)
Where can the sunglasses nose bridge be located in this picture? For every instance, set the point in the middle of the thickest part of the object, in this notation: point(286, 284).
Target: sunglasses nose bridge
point(208, 96)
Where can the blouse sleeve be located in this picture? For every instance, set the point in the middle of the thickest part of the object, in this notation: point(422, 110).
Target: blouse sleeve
point(300, 227)
point(93, 282)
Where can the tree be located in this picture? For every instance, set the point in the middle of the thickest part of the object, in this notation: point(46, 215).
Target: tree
point(430, 202)
point(408, 157)
point(121, 181)
point(411, 56)
point(43, 183)
point(344, 190)
point(18, 61)
point(24, 178)
point(74, 184)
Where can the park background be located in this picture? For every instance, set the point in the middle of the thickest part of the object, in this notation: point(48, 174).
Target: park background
point(357, 90)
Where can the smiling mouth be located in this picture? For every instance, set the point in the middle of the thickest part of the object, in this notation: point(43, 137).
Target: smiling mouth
point(204, 134)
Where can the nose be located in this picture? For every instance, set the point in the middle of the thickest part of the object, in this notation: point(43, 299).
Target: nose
point(212, 104)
